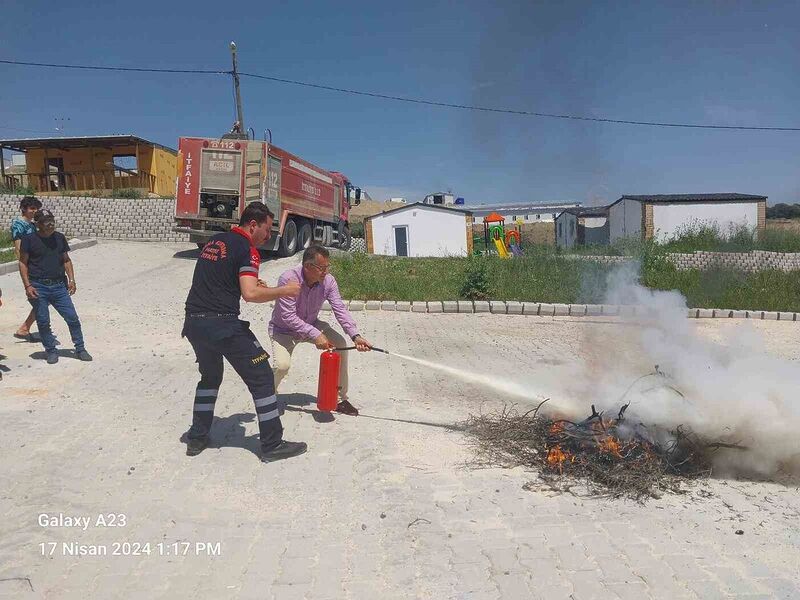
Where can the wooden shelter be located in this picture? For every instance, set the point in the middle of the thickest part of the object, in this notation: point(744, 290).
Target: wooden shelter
point(92, 163)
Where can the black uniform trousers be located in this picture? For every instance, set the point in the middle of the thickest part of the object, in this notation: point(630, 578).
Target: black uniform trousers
point(214, 338)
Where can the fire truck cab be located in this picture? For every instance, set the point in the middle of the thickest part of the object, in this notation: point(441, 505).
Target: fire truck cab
point(218, 178)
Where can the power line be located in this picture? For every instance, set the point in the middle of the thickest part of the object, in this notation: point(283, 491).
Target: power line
point(26, 130)
point(526, 113)
point(97, 68)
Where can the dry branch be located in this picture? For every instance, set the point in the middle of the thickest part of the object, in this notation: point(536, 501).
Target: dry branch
point(612, 456)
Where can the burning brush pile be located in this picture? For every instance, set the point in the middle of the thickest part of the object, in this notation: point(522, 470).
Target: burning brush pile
point(612, 456)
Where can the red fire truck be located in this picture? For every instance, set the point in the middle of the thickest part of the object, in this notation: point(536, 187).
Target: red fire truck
point(217, 178)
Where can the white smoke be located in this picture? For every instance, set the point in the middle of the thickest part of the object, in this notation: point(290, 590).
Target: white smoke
point(733, 390)
point(729, 389)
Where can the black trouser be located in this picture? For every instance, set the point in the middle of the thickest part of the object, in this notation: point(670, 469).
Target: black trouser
point(215, 338)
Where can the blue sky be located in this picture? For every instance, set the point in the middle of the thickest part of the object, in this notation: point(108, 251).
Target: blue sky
point(717, 62)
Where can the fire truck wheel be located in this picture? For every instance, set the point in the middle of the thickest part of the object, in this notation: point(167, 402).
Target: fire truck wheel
point(344, 237)
point(305, 236)
point(289, 239)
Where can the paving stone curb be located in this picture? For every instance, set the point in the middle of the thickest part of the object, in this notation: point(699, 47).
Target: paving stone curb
point(74, 244)
point(543, 309)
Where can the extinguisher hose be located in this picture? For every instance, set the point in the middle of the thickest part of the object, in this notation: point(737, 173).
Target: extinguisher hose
point(345, 349)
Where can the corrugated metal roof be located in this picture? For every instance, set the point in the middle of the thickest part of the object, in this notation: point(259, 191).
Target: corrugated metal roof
point(522, 207)
point(692, 197)
point(588, 211)
point(23, 144)
point(421, 205)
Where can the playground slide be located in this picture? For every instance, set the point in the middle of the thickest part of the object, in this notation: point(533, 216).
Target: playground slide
point(502, 252)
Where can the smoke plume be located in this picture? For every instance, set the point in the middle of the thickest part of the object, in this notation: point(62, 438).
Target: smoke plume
point(732, 389)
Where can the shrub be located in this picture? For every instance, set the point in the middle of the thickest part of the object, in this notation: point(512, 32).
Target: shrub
point(21, 190)
point(476, 280)
point(357, 229)
point(128, 193)
point(779, 240)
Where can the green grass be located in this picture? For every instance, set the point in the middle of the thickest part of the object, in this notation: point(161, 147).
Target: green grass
point(22, 190)
point(5, 242)
point(383, 278)
point(738, 239)
point(726, 288)
point(545, 276)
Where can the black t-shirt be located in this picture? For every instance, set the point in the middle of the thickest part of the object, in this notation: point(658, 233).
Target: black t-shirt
point(215, 285)
point(45, 255)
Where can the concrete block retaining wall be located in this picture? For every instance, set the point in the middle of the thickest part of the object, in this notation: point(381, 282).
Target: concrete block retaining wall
point(757, 260)
point(750, 262)
point(144, 219)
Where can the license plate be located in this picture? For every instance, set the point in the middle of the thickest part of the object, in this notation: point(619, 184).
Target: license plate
point(220, 166)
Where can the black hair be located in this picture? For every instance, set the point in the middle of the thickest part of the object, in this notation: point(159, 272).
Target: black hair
point(29, 202)
point(256, 211)
point(43, 215)
point(313, 251)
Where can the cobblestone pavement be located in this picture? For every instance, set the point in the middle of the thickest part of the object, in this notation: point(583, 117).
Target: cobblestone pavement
point(382, 505)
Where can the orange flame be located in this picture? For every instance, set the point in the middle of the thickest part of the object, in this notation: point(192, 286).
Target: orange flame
point(556, 457)
point(556, 427)
point(610, 445)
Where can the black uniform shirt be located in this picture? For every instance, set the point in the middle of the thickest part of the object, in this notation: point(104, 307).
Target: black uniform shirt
point(45, 255)
point(215, 285)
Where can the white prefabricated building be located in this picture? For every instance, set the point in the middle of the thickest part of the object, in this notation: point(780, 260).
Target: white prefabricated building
point(582, 226)
point(662, 217)
point(419, 230)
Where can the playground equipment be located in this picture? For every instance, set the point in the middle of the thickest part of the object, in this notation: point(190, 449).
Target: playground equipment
point(508, 243)
point(502, 251)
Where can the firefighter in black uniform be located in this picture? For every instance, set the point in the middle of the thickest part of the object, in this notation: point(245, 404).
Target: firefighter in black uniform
point(226, 270)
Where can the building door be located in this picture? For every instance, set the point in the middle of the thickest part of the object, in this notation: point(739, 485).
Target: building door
point(401, 240)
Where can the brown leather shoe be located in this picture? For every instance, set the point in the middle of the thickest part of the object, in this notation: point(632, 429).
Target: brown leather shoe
point(346, 408)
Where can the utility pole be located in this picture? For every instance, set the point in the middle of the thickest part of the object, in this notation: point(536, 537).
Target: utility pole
point(235, 73)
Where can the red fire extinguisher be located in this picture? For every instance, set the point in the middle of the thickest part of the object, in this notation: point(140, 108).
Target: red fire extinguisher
point(328, 390)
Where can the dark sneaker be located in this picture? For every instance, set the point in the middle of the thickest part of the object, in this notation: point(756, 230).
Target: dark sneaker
point(284, 450)
point(346, 408)
point(52, 358)
point(84, 356)
point(196, 445)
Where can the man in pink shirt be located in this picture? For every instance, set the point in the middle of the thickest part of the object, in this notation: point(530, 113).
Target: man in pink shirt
point(295, 320)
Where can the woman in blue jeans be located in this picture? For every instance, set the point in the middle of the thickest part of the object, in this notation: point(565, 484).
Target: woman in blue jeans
point(49, 279)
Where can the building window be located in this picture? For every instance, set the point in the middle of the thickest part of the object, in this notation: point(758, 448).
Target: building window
point(526, 217)
point(560, 232)
point(538, 216)
point(572, 227)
